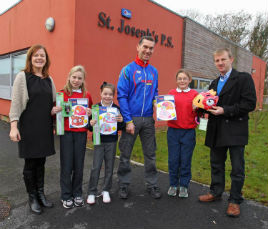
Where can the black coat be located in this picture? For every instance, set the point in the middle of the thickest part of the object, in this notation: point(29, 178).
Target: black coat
point(238, 98)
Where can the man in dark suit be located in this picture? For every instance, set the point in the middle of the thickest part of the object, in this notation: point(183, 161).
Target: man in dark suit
point(228, 129)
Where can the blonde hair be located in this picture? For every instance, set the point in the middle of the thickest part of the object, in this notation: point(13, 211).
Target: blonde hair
point(222, 50)
point(68, 87)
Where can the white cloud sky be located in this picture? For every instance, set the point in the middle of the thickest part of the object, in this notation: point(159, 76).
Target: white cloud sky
point(203, 6)
point(217, 7)
point(5, 4)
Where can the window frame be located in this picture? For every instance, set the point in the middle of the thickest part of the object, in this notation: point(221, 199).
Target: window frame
point(198, 83)
point(12, 75)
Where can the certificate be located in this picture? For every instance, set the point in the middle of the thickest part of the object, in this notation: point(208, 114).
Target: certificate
point(79, 116)
point(165, 108)
point(107, 120)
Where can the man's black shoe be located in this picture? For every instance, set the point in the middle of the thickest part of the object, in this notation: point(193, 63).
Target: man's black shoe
point(154, 192)
point(123, 192)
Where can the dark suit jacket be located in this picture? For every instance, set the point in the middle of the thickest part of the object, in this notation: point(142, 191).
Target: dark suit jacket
point(238, 98)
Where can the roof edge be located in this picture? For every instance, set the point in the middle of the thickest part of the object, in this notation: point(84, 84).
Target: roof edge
point(9, 8)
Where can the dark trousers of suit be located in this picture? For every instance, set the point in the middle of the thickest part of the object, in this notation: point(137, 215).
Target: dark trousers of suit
point(218, 157)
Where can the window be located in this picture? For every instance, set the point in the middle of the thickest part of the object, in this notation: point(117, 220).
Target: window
point(5, 69)
point(10, 65)
point(204, 85)
point(18, 64)
point(200, 84)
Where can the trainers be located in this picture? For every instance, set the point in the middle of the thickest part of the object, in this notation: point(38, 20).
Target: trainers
point(154, 192)
point(123, 192)
point(91, 199)
point(183, 192)
point(172, 191)
point(78, 201)
point(67, 203)
point(106, 197)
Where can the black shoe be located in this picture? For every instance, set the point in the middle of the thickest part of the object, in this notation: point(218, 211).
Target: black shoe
point(154, 192)
point(40, 176)
point(42, 199)
point(34, 205)
point(30, 184)
point(123, 192)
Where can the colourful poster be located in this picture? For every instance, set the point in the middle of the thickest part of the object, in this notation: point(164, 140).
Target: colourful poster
point(107, 119)
point(165, 108)
point(79, 116)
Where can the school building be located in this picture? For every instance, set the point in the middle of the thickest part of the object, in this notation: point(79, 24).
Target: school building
point(102, 36)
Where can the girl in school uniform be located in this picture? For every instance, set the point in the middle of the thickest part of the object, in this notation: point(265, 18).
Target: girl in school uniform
point(105, 151)
point(73, 143)
point(181, 136)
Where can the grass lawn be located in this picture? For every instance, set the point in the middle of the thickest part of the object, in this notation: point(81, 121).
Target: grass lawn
point(256, 159)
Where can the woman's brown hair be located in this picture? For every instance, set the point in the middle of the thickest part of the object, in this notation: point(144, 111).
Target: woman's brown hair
point(29, 66)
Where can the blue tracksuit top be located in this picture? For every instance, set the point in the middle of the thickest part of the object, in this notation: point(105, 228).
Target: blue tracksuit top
point(136, 90)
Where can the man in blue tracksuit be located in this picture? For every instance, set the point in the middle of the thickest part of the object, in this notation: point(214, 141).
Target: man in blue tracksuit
point(136, 91)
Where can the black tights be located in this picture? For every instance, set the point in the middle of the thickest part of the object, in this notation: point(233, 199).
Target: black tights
point(31, 164)
point(33, 173)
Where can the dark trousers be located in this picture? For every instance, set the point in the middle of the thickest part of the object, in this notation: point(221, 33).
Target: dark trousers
point(144, 127)
point(33, 171)
point(106, 151)
point(72, 155)
point(218, 157)
point(181, 143)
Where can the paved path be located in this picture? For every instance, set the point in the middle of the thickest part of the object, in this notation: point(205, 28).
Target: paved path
point(139, 211)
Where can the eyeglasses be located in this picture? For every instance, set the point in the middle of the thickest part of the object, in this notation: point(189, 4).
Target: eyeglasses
point(182, 79)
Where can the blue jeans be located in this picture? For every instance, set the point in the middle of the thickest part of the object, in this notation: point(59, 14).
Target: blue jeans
point(181, 143)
